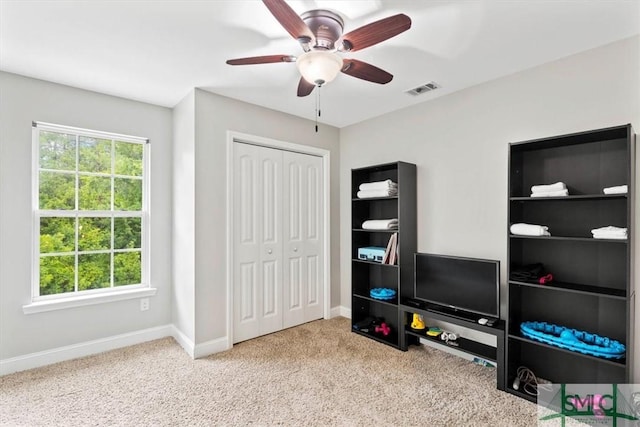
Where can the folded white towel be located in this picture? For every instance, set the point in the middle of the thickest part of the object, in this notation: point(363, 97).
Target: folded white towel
point(549, 187)
point(610, 235)
point(607, 236)
point(557, 193)
point(523, 229)
point(380, 224)
point(378, 185)
point(619, 189)
point(376, 193)
point(610, 229)
point(609, 232)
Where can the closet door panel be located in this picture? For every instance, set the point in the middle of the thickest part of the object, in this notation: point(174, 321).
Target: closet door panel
point(257, 242)
point(304, 247)
point(314, 239)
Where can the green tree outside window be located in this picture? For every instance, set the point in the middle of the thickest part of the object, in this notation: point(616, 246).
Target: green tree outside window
point(90, 201)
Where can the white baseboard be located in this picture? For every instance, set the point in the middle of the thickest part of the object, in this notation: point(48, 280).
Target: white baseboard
point(197, 351)
point(211, 347)
point(88, 348)
point(341, 311)
point(186, 343)
point(61, 354)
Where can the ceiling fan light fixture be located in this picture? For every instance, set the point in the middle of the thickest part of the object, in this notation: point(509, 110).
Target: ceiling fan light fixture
point(319, 67)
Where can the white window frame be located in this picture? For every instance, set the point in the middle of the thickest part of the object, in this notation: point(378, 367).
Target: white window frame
point(91, 296)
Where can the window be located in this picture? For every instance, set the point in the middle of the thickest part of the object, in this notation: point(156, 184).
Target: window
point(91, 213)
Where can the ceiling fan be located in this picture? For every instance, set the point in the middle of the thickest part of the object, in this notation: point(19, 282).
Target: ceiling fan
point(319, 32)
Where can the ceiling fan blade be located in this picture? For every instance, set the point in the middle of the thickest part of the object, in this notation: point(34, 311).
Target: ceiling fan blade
point(375, 32)
point(365, 71)
point(289, 19)
point(269, 59)
point(304, 87)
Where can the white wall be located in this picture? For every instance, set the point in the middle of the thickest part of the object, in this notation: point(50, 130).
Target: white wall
point(459, 143)
point(214, 116)
point(184, 215)
point(22, 101)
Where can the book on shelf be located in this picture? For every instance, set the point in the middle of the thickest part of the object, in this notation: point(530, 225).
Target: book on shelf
point(391, 253)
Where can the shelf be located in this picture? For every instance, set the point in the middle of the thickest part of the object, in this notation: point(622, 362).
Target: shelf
point(597, 291)
point(457, 319)
point(573, 139)
point(570, 197)
point(393, 302)
point(374, 198)
point(367, 274)
point(363, 230)
point(597, 295)
point(374, 263)
point(520, 393)
point(621, 363)
point(568, 239)
point(475, 348)
point(390, 339)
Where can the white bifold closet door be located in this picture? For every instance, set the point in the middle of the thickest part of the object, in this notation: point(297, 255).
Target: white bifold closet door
point(278, 240)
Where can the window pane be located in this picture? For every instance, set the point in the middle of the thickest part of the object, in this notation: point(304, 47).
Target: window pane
point(57, 151)
point(57, 191)
point(127, 269)
point(94, 271)
point(56, 274)
point(127, 194)
point(128, 159)
point(127, 233)
point(96, 176)
point(57, 235)
point(95, 193)
point(94, 155)
point(94, 234)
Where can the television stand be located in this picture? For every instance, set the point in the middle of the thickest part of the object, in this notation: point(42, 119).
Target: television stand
point(487, 352)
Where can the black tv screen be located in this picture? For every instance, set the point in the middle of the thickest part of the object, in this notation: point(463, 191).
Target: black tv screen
point(467, 284)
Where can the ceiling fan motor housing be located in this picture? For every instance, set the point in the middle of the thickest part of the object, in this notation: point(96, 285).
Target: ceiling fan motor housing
point(327, 27)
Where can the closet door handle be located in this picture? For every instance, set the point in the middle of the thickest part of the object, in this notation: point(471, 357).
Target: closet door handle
point(269, 251)
point(295, 249)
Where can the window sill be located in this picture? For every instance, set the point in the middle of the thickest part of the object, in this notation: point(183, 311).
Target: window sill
point(64, 303)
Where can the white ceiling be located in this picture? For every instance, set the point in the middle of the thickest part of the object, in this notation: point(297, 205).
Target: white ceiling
point(157, 51)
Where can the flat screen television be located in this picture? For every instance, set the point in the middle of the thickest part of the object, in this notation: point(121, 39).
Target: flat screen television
point(467, 285)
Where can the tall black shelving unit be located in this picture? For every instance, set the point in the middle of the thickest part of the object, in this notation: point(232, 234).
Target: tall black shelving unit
point(593, 287)
point(367, 275)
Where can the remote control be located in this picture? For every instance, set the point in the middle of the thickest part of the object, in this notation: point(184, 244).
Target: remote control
point(483, 321)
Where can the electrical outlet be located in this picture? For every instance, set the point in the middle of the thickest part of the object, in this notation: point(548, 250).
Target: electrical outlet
point(144, 304)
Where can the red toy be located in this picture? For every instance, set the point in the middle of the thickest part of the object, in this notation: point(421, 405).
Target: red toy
point(384, 329)
point(545, 279)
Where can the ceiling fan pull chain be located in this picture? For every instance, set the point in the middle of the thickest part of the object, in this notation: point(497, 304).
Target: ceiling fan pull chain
point(317, 107)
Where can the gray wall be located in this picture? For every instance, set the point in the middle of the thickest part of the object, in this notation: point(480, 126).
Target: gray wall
point(459, 143)
point(184, 217)
point(22, 101)
point(214, 116)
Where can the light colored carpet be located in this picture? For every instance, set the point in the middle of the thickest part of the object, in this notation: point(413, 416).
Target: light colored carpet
point(317, 374)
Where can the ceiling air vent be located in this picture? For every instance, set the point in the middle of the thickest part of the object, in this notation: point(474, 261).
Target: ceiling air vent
point(427, 87)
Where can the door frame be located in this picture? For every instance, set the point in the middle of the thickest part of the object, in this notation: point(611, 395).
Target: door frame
point(238, 137)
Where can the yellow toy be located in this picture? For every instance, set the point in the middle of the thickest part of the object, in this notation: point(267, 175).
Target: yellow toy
point(418, 322)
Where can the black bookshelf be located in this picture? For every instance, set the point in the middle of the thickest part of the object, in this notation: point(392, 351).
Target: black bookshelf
point(366, 275)
point(593, 286)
